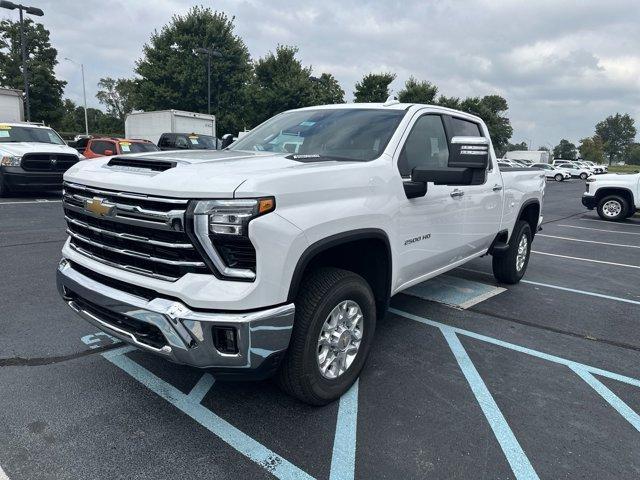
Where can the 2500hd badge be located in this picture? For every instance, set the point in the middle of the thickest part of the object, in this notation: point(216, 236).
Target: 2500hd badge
point(426, 236)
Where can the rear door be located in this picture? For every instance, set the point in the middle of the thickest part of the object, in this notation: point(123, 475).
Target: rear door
point(430, 226)
point(483, 200)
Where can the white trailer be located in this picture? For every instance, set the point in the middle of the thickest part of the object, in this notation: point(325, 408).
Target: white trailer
point(11, 106)
point(150, 125)
point(536, 156)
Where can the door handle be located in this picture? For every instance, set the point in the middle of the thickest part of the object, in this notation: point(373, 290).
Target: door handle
point(497, 188)
point(456, 193)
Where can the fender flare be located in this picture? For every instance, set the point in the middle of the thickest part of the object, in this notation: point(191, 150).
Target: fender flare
point(525, 204)
point(333, 241)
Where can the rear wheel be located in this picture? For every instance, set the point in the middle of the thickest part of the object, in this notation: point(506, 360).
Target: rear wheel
point(333, 329)
point(613, 208)
point(510, 266)
point(558, 177)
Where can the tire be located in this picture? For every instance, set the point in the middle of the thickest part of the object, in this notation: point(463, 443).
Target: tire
point(583, 176)
point(558, 178)
point(613, 208)
point(505, 266)
point(321, 292)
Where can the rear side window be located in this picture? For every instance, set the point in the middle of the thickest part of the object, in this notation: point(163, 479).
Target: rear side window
point(464, 128)
point(166, 141)
point(426, 146)
point(100, 147)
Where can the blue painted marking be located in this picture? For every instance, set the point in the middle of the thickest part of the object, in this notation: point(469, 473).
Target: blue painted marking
point(201, 388)
point(518, 348)
point(516, 457)
point(612, 399)
point(453, 291)
point(343, 460)
point(93, 340)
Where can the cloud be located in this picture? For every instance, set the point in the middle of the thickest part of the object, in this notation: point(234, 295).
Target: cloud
point(562, 66)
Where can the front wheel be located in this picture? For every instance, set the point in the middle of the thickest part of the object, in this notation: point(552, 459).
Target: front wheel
point(558, 177)
point(583, 176)
point(509, 267)
point(613, 208)
point(332, 333)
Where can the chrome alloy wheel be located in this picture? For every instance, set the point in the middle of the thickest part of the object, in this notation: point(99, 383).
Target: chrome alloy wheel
point(340, 339)
point(612, 208)
point(521, 257)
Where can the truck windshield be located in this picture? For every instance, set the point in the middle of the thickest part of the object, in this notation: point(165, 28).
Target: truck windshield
point(137, 147)
point(13, 134)
point(331, 134)
point(202, 142)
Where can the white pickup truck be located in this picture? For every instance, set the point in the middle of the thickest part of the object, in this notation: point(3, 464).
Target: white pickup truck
point(279, 253)
point(614, 196)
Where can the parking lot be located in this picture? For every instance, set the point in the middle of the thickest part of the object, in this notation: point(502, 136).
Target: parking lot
point(466, 379)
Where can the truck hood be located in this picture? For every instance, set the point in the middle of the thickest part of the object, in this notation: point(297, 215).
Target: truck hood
point(196, 174)
point(18, 149)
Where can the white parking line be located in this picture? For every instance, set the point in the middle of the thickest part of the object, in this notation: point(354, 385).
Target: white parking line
point(599, 229)
point(607, 221)
point(588, 241)
point(3, 476)
point(30, 201)
point(585, 259)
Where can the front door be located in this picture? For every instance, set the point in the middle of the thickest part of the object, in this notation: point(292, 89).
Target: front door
point(429, 227)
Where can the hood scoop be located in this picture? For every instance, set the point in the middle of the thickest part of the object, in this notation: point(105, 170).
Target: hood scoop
point(141, 164)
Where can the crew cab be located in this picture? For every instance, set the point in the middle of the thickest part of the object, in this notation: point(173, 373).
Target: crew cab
point(32, 157)
point(614, 196)
point(107, 146)
point(255, 260)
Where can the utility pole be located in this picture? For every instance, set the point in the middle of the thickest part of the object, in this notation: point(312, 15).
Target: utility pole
point(209, 52)
point(23, 46)
point(84, 94)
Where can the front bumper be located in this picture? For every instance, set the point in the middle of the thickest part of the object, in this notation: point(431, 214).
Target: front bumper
point(589, 201)
point(172, 330)
point(18, 178)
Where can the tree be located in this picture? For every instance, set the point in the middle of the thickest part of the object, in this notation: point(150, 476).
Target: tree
point(281, 83)
point(633, 154)
point(415, 91)
point(45, 90)
point(544, 148)
point(511, 147)
point(592, 149)
point(117, 95)
point(617, 132)
point(326, 90)
point(173, 76)
point(565, 150)
point(374, 87)
point(491, 109)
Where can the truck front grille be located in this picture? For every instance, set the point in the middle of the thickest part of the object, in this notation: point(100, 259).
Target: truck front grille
point(138, 233)
point(48, 162)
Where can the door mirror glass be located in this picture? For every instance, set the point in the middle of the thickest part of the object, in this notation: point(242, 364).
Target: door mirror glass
point(469, 152)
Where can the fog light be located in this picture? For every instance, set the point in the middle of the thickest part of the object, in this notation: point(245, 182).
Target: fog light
point(225, 339)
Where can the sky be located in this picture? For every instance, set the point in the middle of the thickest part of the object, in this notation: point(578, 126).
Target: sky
point(562, 65)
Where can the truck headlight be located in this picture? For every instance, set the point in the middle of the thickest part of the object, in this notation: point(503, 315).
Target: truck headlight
point(232, 217)
point(10, 161)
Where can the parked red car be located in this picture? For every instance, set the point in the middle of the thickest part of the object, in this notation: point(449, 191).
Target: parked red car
point(99, 147)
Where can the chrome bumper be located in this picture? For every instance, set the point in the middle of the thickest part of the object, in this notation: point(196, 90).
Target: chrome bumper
point(188, 334)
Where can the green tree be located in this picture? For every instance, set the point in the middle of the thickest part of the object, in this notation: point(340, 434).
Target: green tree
point(326, 90)
point(374, 87)
point(492, 109)
point(449, 102)
point(45, 90)
point(633, 154)
point(592, 149)
point(544, 148)
point(510, 147)
point(415, 91)
point(173, 76)
point(565, 150)
point(280, 83)
point(617, 132)
point(117, 95)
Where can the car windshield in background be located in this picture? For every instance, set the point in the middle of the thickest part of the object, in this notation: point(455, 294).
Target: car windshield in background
point(12, 134)
point(202, 142)
point(137, 147)
point(332, 134)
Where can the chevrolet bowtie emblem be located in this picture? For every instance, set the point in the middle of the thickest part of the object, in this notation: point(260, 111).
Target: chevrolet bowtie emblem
point(99, 206)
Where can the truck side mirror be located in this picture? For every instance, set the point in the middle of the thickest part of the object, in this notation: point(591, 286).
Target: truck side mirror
point(227, 139)
point(442, 176)
point(469, 152)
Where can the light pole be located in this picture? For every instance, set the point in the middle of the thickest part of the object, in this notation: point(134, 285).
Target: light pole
point(84, 94)
point(209, 52)
point(31, 11)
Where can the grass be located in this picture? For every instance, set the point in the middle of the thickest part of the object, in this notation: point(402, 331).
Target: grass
point(624, 168)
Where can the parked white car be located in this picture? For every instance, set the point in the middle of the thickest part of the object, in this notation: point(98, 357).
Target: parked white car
point(550, 171)
point(255, 260)
point(614, 196)
point(597, 167)
point(574, 169)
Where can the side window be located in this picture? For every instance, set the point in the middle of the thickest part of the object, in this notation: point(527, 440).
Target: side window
point(426, 146)
point(464, 128)
point(101, 146)
point(181, 142)
point(167, 140)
